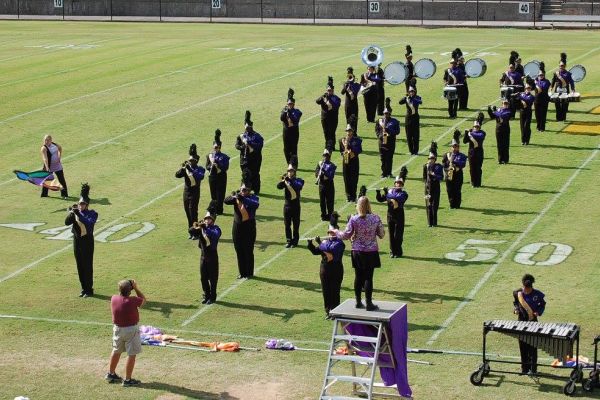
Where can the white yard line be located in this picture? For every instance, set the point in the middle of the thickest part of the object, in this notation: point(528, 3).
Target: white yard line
point(471, 296)
point(37, 53)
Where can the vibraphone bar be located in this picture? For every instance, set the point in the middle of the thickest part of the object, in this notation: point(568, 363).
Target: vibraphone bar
point(556, 339)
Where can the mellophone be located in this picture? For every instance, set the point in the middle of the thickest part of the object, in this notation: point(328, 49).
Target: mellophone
point(557, 339)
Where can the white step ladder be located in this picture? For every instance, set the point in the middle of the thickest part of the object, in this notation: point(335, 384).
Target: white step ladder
point(363, 368)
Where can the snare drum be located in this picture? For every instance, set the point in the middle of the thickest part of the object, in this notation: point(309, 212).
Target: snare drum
point(532, 69)
point(395, 73)
point(574, 97)
point(564, 97)
point(450, 93)
point(425, 68)
point(475, 68)
point(554, 97)
point(506, 92)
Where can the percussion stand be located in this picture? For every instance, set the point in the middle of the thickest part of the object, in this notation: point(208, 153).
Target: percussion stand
point(484, 368)
point(594, 380)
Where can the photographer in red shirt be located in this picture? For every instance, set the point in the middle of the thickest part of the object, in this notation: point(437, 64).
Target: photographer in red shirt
point(126, 334)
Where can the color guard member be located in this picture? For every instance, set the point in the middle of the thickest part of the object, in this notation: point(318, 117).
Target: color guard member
point(454, 161)
point(290, 117)
point(386, 129)
point(412, 124)
point(250, 144)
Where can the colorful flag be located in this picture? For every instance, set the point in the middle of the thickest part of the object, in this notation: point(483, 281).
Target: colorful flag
point(39, 178)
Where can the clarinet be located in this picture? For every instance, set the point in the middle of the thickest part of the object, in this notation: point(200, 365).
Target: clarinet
point(320, 173)
point(428, 184)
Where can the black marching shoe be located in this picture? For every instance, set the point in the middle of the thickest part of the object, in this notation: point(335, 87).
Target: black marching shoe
point(372, 307)
point(359, 304)
point(288, 245)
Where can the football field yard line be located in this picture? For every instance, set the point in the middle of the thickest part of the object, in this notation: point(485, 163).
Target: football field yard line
point(471, 295)
point(53, 50)
point(113, 222)
point(176, 112)
point(235, 285)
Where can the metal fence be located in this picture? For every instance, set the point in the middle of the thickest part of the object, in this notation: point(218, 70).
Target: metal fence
point(473, 12)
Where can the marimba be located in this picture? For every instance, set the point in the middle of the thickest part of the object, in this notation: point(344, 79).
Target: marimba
point(557, 339)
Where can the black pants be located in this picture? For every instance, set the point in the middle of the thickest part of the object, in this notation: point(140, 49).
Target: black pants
point(291, 135)
point(363, 276)
point(452, 107)
point(386, 155)
point(525, 122)
point(60, 175)
point(351, 108)
point(191, 199)
point(291, 220)
point(251, 177)
point(350, 172)
point(528, 357)
point(370, 100)
point(503, 143)
point(380, 98)
point(433, 203)
point(218, 185)
point(209, 274)
point(396, 229)
point(83, 248)
point(463, 96)
point(413, 132)
point(454, 189)
point(562, 108)
point(326, 200)
point(331, 275)
point(541, 111)
point(329, 125)
point(244, 236)
point(475, 164)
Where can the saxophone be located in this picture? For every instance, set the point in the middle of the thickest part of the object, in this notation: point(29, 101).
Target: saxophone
point(346, 151)
point(450, 171)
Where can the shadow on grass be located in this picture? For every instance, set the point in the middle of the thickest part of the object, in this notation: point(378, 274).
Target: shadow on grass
point(415, 297)
point(445, 261)
point(284, 313)
point(495, 211)
point(260, 244)
point(545, 166)
point(496, 379)
point(310, 286)
point(564, 147)
point(473, 229)
point(190, 393)
point(281, 198)
point(164, 308)
point(521, 190)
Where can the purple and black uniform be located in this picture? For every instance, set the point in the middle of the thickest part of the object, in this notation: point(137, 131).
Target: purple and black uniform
point(412, 124)
point(475, 138)
point(386, 130)
point(453, 163)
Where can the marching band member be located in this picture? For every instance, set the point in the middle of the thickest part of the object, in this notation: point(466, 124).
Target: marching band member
point(83, 220)
point(518, 65)
point(290, 117)
point(412, 124)
point(542, 85)
point(529, 304)
point(331, 272)
point(513, 78)
point(562, 82)
point(350, 90)
point(454, 161)
point(217, 164)
point(453, 76)
point(475, 137)
point(291, 208)
point(410, 68)
point(208, 234)
point(463, 94)
point(330, 107)
point(386, 129)
point(380, 90)
point(250, 144)
point(395, 199)
point(350, 148)
point(363, 229)
point(51, 157)
point(527, 100)
point(369, 81)
point(193, 175)
point(243, 230)
point(502, 117)
point(325, 172)
point(433, 173)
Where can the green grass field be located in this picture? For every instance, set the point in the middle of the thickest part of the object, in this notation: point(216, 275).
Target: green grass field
point(125, 100)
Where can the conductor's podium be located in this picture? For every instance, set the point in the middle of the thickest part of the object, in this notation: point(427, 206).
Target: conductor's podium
point(373, 339)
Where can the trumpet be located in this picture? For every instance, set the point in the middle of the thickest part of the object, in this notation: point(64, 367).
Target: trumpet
point(74, 207)
point(199, 225)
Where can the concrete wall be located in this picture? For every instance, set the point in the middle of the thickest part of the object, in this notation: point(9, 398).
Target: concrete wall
point(395, 10)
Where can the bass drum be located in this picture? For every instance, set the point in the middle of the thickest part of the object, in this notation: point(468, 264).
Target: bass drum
point(475, 68)
point(532, 69)
point(425, 68)
point(395, 73)
point(577, 73)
